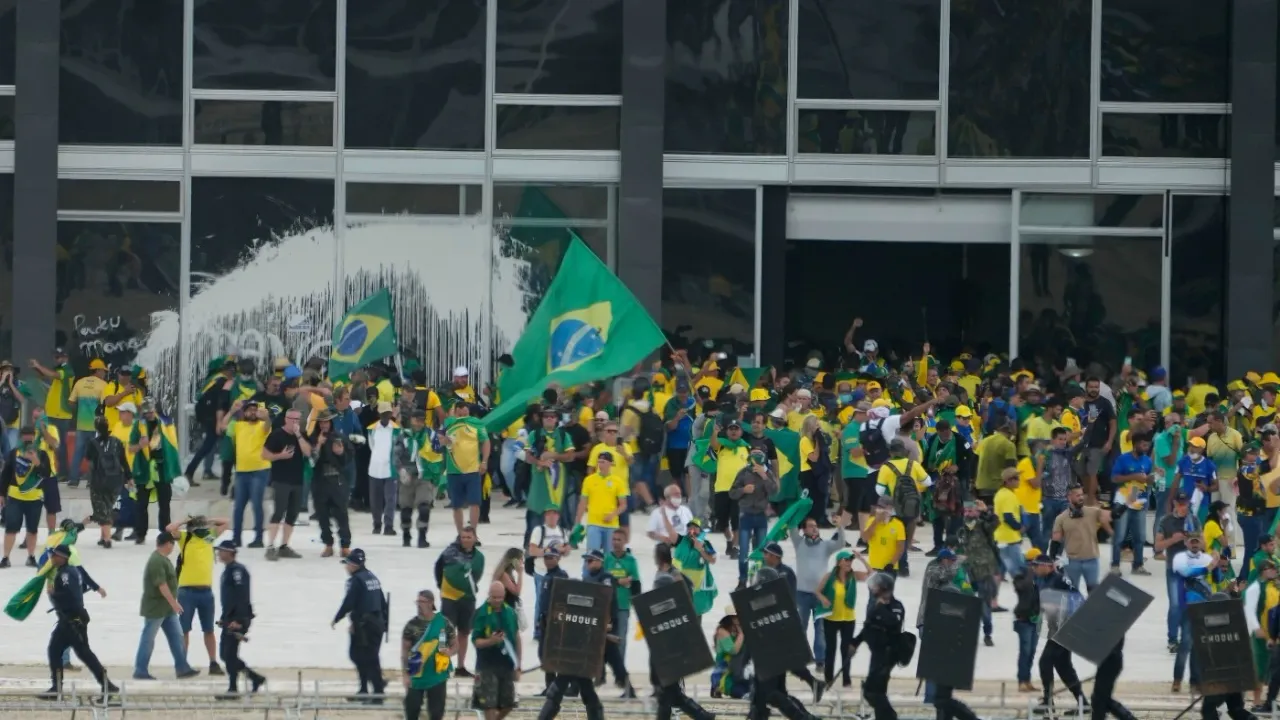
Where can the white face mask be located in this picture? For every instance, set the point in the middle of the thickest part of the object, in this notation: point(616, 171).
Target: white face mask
point(1195, 456)
point(677, 502)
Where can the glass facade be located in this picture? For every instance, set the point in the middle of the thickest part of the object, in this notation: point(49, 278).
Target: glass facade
point(302, 153)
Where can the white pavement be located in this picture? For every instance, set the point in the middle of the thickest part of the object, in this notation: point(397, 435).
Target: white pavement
point(295, 600)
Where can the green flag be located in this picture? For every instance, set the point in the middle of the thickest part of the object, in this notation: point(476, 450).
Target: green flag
point(787, 443)
point(367, 333)
point(588, 326)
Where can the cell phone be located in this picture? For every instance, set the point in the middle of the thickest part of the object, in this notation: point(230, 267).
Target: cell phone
point(1128, 361)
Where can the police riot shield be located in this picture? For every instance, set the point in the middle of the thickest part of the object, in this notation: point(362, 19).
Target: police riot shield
point(1108, 613)
point(677, 645)
point(1220, 641)
point(771, 628)
point(949, 640)
point(577, 628)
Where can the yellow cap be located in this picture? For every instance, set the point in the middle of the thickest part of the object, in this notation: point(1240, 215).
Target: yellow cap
point(1196, 442)
point(881, 402)
point(1252, 377)
point(1269, 378)
point(957, 365)
point(97, 364)
point(759, 394)
point(873, 385)
point(1032, 553)
point(963, 411)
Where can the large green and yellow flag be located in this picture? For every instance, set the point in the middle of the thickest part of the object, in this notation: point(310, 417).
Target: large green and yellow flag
point(787, 443)
point(367, 333)
point(588, 326)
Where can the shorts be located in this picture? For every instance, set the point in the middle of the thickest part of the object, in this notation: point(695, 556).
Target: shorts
point(196, 601)
point(464, 489)
point(286, 501)
point(17, 512)
point(725, 512)
point(675, 461)
point(52, 496)
point(860, 494)
point(1090, 462)
point(1261, 660)
point(103, 498)
point(494, 689)
point(459, 612)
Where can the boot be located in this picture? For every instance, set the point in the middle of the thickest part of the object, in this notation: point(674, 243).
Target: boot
point(406, 538)
point(256, 680)
point(595, 712)
point(422, 538)
point(118, 535)
point(793, 710)
point(551, 706)
point(690, 707)
point(328, 551)
point(55, 686)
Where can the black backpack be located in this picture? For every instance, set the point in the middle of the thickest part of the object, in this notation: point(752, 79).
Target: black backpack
point(822, 467)
point(109, 466)
point(652, 429)
point(906, 496)
point(874, 447)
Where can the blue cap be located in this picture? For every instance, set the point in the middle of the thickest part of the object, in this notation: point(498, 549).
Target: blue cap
point(356, 557)
point(774, 549)
point(63, 550)
point(551, 552)
point(1159, 373)
point(228, 545)
point(595, 555)
point(946, 554)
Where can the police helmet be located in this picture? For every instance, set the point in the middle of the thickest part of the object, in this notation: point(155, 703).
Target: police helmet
point(765, 574)
point(880, 583)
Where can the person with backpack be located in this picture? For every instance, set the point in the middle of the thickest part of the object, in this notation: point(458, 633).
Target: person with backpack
point(643, 426)
point(881, 429)
point(109, 470)
point(209, 409)
point(903, 482)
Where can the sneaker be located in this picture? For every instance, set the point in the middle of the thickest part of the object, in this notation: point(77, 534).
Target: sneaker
point(377, 528)
point(328, 551)
point(301, 522)
point(273, 554)
point(187, 674)
point(1176, 687)
point(389, 532)
point(986, 640)
point(1172, 647)
point(143, 676)
point(215, 669)
point(1140, 571)
point(462, 673)
point(933, 552)
point(1115, 570)
point(207, 476)
point(999, 609)
point(288, 553)
point(140, 539)
point(904, 572)
point(131, 537)
point(230, 694)
point(1264, 708)
point(510, 503)
point(818, 689)
point(256, 544)
point(31, 561)
point(406, 538)
point(257, 682)
point(4, 563)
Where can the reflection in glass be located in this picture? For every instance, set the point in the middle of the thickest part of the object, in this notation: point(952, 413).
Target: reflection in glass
point(726, 77)
point(867, 132)
point(121, 76)
point(709, 267)
point(8, 42)
point(554, 47)
point(262, 264)
point(542, 127)
point(117, 285)
point(435, 269)
point(1091, 298)
point(6, 264)
point(1199, 274)
point(6, 117)
point(542, 202)
point(1166, 51)
point(1165, 135)
point(1097, 210)
point(957, 299)
point(415, 74)
point(408, 198)
point(1019, 79)
point(869, 49)
point(537, 251)
point(265, 44)
point(271, 122)
point(117, 195)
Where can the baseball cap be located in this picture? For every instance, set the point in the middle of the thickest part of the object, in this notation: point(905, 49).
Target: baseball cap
point(885, 502)
point(595, 555)
point(356, 557)
point(384, 407)
point(605, 456)
point(59, 352)
point(873, 385)
point(1196, 442)
point(552, 551)
point(127, 407)
point(778, 413)
point(733, 424)
point(946, 554)
point(862, 407)
point(97, 364)
point(803, 392)
point(461, 371)
point(1159, 373)
point(229, 546)
point(813, 363)
point(774, 549)
point(1181, 497)
point(62, 550)
point(963, 411)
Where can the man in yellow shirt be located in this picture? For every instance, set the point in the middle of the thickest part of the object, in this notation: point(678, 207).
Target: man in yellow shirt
point(86, 397)
point(1040, 427)
point(603, 500)
point(57, 404)
point(121, 390)
point(900, 468)
point(195, 581)
point(1029, 493)
point(1008, 534)
point(609, 442)
point(732, 452)
point(248, 430)
point(886, 537)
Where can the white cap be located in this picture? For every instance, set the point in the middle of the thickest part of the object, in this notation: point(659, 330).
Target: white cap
point(813, 363)
point(127, 407)
point(778, 413)
point(870, 346)
point(602, 415)
point(461, 371)
point(803, 392)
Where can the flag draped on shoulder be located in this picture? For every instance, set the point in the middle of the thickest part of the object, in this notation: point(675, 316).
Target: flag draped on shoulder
point(588, 326)
point(366, 333)
point(787, 443)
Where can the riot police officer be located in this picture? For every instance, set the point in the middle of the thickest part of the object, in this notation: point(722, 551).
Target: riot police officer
point(673, 696)
point(71, 631)
point(773, 691)
point(367, 606)
point(882, 633)
point(595, 573)
point(237, 612)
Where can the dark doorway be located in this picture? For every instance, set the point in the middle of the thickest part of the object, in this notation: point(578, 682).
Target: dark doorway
point(953, 295)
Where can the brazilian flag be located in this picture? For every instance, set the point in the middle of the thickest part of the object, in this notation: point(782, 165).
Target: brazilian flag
point(588, 327)
point(367, 333)
point(787, 443)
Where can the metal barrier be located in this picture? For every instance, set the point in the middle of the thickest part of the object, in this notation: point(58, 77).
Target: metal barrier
point(319, 703)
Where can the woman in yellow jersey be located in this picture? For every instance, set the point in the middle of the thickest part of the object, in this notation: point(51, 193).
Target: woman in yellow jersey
point(839, 598)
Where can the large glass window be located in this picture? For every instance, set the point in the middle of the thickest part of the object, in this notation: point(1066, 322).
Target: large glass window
point(544, 127)
point(709, 267)
point(867, 132)
point(8, 40)
point(263, 122)
point(1199, 274)
point(1096, 210)
point(1166, 135)
point(7, 117)
point(156, 196)
point(265, 44)
point(869, 49)
point(413, 199)
point(1019, 79)
point(6, 264)
point(554, 47)
point(726, 77)
point(121, 72)
point(1167, 51)
point(117, 292)
point(1091, 298)
point(262, 266)
point(415, 74)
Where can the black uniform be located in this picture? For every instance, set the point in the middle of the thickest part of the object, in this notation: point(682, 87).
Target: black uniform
point(563, 684)
point(367, 607)
point(1104, 685)
point(237, 608)
point(881, 632)
point(1054, 657)
point(1235, 707)
point(672, 697)
point(540, 622)
point(72, 630)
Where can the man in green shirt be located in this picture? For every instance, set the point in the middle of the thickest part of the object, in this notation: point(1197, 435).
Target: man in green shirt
point(160, 611)
point(996, 452)
point(621, 564)
point(853, 461)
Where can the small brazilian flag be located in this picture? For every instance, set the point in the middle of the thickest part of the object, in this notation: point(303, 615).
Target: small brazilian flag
point(367, 333)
